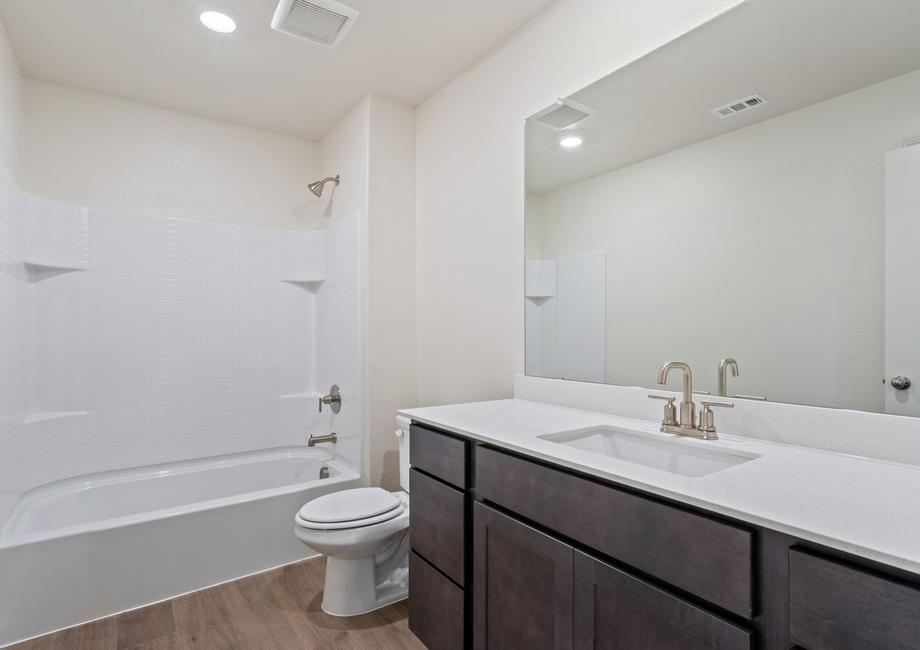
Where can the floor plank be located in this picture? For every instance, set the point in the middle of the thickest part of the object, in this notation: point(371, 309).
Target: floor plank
point(279, 609)
point(145, 626)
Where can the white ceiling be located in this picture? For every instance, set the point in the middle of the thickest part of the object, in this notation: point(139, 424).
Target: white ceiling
point(156, 51)
point(794, 53)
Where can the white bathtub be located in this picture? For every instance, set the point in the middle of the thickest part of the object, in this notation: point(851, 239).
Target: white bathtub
point(93, 546)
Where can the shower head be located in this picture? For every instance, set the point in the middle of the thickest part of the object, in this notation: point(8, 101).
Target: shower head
point(317, 186)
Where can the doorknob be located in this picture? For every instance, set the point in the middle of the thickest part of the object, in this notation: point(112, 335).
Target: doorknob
point(900, 382)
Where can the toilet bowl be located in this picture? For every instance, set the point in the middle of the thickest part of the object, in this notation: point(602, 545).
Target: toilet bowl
point(364, 534)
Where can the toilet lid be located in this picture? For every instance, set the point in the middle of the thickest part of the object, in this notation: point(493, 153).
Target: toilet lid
point(349, 506)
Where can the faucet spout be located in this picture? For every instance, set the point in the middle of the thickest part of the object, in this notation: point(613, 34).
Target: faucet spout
point(687, 376)
point(687, 407)
point(724, 366)
point(312, 440)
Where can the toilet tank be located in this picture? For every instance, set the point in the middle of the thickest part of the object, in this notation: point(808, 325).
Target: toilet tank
point(402, 434)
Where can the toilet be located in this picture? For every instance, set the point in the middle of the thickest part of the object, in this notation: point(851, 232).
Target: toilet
point(364, 534)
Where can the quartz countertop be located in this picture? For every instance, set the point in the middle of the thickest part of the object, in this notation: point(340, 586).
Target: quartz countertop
point(858, 505)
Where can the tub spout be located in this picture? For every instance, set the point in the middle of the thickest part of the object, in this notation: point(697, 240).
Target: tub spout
point(312, 441)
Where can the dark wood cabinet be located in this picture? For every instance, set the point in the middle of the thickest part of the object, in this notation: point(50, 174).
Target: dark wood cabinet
point(522, 585)
point(616, 610)
point(439, 540)
point(701, 555)
point(510, 552)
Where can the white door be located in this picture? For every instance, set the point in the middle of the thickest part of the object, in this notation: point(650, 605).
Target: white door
point(902, 280)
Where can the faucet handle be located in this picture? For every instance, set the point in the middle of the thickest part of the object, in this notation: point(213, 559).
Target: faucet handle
point(707, 418)
point(670, 411)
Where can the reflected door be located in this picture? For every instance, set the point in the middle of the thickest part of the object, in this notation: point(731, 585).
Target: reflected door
point(902, 281)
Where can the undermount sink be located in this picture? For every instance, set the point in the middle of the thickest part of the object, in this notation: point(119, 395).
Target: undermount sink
point(683, 457)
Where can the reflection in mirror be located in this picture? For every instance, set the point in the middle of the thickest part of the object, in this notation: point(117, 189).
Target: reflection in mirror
point(745, 199)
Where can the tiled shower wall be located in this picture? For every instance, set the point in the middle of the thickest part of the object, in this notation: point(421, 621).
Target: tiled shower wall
point(14, 342)
point(339, 339)
point(157, 340)
point(565, 316)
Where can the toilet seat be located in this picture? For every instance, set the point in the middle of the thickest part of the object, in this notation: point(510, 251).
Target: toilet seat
point(354, 508)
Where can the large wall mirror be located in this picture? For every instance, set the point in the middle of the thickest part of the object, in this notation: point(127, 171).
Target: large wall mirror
point(748, 197)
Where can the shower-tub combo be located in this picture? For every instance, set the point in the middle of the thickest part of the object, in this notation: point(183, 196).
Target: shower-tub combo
point(164, 388)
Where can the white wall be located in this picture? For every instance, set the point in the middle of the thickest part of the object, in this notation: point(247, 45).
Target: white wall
point(470, 181)
point(785, 217)
point(373, 148)
point(391, 335)
point(10, 106)
point(88, 149)
point(344, 151)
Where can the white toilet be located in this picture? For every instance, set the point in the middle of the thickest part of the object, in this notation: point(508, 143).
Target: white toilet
point(364, 534)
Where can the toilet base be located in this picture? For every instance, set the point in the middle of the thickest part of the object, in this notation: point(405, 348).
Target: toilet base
point(355, 587)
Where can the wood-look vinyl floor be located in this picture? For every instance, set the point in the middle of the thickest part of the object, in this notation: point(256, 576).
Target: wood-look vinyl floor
point(277, 609)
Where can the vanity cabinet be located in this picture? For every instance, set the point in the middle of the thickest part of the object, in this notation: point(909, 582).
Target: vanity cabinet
point(527, 554)
point(704, 556)
point(582, 602)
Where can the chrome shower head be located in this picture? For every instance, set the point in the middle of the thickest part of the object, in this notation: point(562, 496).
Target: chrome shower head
point(317, 186)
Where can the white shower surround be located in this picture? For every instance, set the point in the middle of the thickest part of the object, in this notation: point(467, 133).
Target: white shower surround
point(128, 342)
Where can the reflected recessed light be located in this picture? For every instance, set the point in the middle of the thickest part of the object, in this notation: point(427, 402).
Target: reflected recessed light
point(218, 22)
point(570, 141)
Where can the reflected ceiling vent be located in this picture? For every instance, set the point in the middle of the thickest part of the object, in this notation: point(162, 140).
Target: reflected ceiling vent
point(321, 21)
point(564, 114)
point(738, 106)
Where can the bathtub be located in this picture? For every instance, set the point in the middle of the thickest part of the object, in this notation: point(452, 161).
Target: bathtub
point(93, 546)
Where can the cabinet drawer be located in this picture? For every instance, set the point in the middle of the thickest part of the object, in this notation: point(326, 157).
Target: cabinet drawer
point(616, 610)
point(840, 606)
point(436, 613)
point(438, 454)
point(700, 555)
point(436, 524)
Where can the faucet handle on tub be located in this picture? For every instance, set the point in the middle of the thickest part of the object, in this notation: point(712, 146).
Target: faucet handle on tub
point(333, 399)
point(708, 420)
point(670, 411)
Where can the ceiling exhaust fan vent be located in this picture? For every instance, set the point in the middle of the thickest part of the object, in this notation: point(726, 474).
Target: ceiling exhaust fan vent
point(738, 106)
point(321, 21)
point(564, 114)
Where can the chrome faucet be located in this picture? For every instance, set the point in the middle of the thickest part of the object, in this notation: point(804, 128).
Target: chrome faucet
point(724, 366)
point(687, 424)
point(312, 441)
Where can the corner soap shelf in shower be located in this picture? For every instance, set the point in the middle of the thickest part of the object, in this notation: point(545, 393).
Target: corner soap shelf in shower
point(311, 284)
point(39, 270)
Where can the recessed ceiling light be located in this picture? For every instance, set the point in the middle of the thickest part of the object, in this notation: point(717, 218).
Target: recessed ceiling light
point(218, 22)
point(570, 141)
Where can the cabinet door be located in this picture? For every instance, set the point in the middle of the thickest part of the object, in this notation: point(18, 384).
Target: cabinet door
point(616, 610)
point(522, 585)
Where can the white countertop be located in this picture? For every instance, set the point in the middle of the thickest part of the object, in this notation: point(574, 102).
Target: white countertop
point(867, 507)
